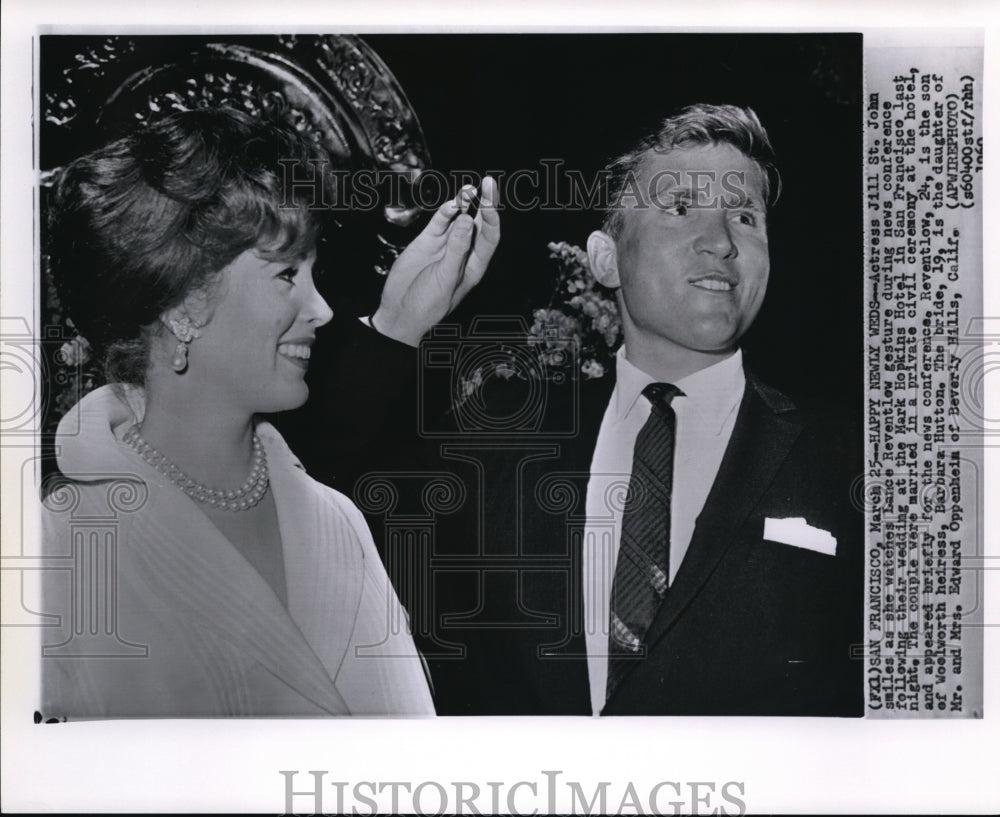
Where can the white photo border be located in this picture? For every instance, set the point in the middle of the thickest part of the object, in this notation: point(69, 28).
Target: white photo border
point(786, 765)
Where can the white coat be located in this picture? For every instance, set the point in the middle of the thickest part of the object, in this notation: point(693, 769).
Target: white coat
point(155, 613)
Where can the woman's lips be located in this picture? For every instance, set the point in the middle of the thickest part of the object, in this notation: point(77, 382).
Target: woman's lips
point(298, 353)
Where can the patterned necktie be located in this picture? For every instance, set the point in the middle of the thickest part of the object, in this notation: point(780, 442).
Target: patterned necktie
point(643, 567)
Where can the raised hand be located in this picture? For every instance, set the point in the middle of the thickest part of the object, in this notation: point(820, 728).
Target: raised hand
point(439, 267)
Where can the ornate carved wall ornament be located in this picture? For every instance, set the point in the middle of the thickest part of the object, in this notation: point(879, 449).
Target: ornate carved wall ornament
point(333, 87)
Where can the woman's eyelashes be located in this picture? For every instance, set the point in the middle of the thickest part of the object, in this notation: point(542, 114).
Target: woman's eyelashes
point(288, 274)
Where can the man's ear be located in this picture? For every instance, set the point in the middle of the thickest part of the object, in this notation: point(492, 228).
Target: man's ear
point(603, 255)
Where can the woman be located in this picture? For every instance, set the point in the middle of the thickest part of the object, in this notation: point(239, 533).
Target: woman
point(226, 581)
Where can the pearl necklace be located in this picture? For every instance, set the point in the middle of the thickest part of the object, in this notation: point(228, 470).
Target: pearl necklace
point(239, 499)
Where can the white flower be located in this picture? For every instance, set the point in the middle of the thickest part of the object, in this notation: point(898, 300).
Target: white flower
point(583, 317)
point(74, 352)
point(467, 385)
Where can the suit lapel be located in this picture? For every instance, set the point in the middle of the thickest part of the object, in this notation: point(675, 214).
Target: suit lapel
point(762, 437)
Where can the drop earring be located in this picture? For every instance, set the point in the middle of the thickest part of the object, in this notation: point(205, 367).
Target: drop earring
point(185, 333)
point(179, 361)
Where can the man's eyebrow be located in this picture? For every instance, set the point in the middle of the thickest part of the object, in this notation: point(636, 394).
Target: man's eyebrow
point(676, 191)
point(744, 202)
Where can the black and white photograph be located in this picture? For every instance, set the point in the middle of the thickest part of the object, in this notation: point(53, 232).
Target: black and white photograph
point(565, 553)
point(482, 387)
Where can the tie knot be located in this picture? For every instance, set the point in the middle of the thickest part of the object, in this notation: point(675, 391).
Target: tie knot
point(660, 394)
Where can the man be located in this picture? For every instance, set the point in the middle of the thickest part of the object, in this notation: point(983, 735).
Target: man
point(764, 551)
point(729, 580)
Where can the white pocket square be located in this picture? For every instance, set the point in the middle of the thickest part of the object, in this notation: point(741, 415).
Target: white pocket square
point(796, 532)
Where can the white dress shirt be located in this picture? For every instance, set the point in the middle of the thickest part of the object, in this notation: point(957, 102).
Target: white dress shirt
point(706, 415)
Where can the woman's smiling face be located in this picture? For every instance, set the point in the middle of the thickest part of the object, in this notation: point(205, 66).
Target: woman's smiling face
point(254, 350)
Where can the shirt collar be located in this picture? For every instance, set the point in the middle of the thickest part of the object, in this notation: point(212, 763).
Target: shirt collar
point(712, 393)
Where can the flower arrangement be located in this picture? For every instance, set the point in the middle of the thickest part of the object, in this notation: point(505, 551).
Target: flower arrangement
point(581, 311)
point(580, 325)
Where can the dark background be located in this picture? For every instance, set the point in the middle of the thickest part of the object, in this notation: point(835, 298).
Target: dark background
point(503, 102)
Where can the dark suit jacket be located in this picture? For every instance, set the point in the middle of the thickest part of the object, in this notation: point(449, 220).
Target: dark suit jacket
point(488, 561)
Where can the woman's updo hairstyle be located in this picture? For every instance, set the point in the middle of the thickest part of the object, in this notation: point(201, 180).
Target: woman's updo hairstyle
point(137, 225)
